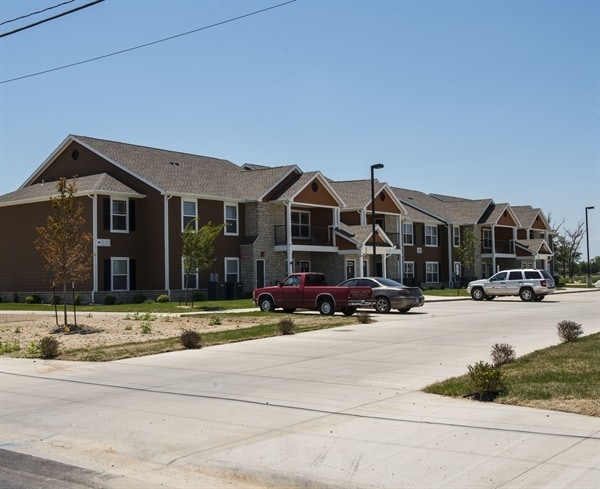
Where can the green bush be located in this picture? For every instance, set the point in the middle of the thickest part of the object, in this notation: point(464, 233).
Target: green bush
point(502, 354)
point(33, 299)
point(485, 381)
point(110, 300)
point(146, 327)
point(215, 321)
point(16, 297)
point(48, 346)
point(162, 298)
point(286, 326)
point(569, 330)
point(77, 300)
point(198, 297)
point(55, 300)
point(190, 339)
point(138, 299)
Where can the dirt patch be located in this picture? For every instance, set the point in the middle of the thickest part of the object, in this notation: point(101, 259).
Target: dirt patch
point(101, 329)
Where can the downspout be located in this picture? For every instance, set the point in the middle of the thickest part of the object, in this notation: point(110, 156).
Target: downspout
point(493, 249)
point(450, 264)
point(166, 241)
point(288, 237)
point(94, 246)
point(401, 243)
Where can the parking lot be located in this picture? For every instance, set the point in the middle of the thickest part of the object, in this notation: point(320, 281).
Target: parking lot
point(337, 408)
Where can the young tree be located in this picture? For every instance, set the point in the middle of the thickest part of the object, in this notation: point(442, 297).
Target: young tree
point(198, 249)
point(566, 250)
point(65, 247)
point(466, 251)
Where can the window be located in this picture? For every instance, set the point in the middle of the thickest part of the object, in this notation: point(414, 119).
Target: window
point(300, 224)
point(409, 270)
point(189, 213)
point(486, 239)
point(120, 273)
point(457, 269)
point(119, 215)
point(456, 236)
point(304, 266)
point(431, 236)
point(231, 219)
point(232, 266)
point(431, 272)
point(407, 234)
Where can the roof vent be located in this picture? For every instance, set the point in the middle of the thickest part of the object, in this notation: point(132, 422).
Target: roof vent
point(174, 163)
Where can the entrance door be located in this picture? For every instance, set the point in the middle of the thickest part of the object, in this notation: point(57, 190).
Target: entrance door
point(260, 273)
point(350, 269)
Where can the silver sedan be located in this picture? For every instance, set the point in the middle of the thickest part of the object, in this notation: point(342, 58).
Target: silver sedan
point(389, 294)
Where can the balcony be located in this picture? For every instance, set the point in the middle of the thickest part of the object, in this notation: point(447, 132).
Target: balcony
point(506, 247)
point(304, 235)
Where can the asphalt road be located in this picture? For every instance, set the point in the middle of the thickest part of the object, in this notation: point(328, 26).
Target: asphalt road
point(338, 408)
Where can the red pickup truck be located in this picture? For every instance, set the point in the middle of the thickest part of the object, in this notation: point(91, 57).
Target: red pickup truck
point(309, 290)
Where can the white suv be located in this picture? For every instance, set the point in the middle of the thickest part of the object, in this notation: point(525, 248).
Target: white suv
point(528, 284)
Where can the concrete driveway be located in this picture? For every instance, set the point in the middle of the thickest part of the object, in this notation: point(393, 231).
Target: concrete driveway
point(338, 408)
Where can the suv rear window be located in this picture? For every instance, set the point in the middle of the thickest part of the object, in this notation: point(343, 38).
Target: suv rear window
point(533, 274)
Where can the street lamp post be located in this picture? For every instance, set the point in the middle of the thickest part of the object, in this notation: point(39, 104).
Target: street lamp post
point(377, 166)
point(587, 242)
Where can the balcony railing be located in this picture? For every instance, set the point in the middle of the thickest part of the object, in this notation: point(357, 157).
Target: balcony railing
point(304, 235)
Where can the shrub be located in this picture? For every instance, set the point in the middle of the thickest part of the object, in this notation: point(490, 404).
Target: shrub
point(162, 298)
point(363, 317)
point(16, 297)
point(215, 321)
point(485, 381)
point(502, 353)
point(77, 300)
point(48, 346)
point(55, 300)
point(8, 347)
point(110, 300)
point(286, 326)
point(190, 339)
point(138, 299)
point(569, 330)
point(198, 297)
point(33, 299)
point(146, 327)
point(1, 299)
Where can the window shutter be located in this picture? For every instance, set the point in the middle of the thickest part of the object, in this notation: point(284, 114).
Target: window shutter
point(132, 278)
point(132, 215)
point(107, 274)
point(106, 213)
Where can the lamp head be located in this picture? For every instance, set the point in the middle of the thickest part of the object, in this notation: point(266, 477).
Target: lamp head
point(377, 166)
point(589, 208)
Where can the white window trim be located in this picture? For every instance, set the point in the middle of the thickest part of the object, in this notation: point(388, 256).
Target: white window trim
point(456, 236)
point(436, 265)
point(486, 235)
point(433, 236)
point(183, 215)
point(113, 259)
point(300, 225)
point(197, 275)
point(112, 215)
point(237, 219)
point(411, 234)
point(235, 259)
point(407, 274)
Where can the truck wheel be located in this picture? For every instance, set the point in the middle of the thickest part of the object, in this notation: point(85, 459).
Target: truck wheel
point(267, 305)
point(526, 294)
point(382, 305)
point(490, 297)
point(349, 311)
point(539, 298)
point(477, 294)
point(326, 307)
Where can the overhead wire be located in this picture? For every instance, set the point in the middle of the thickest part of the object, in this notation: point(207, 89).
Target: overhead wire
point(140, 46)
point(35, 13)
point(81, 7)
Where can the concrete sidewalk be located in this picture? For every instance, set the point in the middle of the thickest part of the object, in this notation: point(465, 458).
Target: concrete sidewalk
point(330, 409)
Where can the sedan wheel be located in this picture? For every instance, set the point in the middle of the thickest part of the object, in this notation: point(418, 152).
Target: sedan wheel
point(405, 310)
point(382, 305)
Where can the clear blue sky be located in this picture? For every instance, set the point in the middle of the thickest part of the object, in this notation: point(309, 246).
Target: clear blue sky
point(480, 99)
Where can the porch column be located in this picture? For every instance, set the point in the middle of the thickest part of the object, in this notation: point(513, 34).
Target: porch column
point(493, 249)
point(288, 238)
point(166, 199)
point(94, 246)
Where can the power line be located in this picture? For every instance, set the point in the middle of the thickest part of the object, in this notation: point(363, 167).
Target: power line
point(51, 18)
point(148, 43)
point(35, 13)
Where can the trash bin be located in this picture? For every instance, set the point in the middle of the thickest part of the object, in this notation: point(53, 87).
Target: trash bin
point(217, 291)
